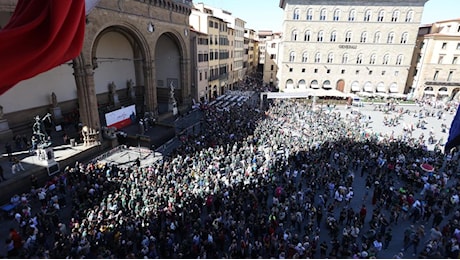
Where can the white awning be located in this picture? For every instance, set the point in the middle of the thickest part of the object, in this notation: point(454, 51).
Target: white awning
point(302, 84)
point(443, 93)
point(290, 85)
point(368, 87)
point(381, 88)
point(314, 85)
point(327, 86)
point(355, 87)
point(394, 88)
point(428, 92)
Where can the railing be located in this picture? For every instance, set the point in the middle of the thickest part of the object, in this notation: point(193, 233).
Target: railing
point(185, 2)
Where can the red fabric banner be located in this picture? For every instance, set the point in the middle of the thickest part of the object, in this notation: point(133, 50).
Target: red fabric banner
point(40, 35)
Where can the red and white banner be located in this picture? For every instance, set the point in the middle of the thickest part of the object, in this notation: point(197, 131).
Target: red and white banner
point(121, 118)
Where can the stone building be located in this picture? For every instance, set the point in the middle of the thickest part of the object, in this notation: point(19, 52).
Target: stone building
point(137, 44)
point(269, 43)
point(436, 66)
point(350, 46)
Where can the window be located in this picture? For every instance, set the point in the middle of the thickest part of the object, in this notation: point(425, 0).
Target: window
point(211, 24)
point(309, 14)
point(399, 59)
point(372, 59)
point(328, 71)
point(348, 37)
point(458, 46)
point(273, 45)
point(370, 72)
point(307, 36)
point(322, 15)
point(272, 67)
point(292, 56)
point(436, 75)
point(377, 36)
point(303, 69)
point(330, 58)
point(449, 77)
point(396, 73)
point(342, 71)
point(272, 56)
point(444, 45)
point(383, 72)
point(333, 36)
point(296, 14)
point(357, 72)
point(367, 16)
point(409, 16)
point(381, 16)
point(336, 15)
point(305, 57)
point(454, 60)
point(391, 37)
point(315, 70)
point(318, 57)
point(294, 35)
point(351, 15)
point(363, 37)
point(201, 76)
point(345, 58)
point(205, 75)
point(441, 58)
point(395, 16)
point(320, 36)
point(404, 37)
point(386, 59)
point(359, 59)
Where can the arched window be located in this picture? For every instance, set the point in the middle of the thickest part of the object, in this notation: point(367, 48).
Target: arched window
point(351, 15)
point(333, 36)
point(304, 57)
point(330, 58)
point(395, 16)
point(289, 83)
point(386, 59)
point(345, 58)
point(391, 37)
point(302, 84)
point(294, 35)
point(367, 15)
point(363, 37)
point(323, 14)
point(336, 15)
point(399, 59)
point(372, 59)
point(291, 56)
point(296, 14)
point(359, 59)
point(404, 37)
point(377, 37)
point(381, 16)
point(318, 57)
point(309, 14)
point(409, 16)
point(314, 84)
point(320, 36)
point(307, 36)
point(348, 36)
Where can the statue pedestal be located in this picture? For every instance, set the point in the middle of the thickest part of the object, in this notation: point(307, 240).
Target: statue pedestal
point(116, 100)
point(46, 158)
point(5, 132)
point(56, 112)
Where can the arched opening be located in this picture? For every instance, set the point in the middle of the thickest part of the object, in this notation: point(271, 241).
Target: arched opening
point(455, 96)
point(302, 84)
point(340, 85)
point(428, 91)
point(355, 87)
point(327, 84)
point(168, 72)
point(289, 84)
point(314, 84)
point(381, 87)
point(368, 87)
point(394, 87)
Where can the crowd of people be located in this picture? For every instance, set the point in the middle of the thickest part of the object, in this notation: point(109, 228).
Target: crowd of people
point(280, 182)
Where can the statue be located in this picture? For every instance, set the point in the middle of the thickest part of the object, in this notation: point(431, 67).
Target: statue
point(113, 94)
point(39, 131)
point(172, 100)
point(54, 102)
point(131, 90)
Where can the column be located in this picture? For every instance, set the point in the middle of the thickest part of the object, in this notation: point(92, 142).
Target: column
point(150, 91)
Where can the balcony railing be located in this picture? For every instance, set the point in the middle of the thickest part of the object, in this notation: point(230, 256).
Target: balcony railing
point(443, 83)
point(185, 2)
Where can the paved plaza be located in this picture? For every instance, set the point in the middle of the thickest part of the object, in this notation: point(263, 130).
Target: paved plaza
point(126, 156)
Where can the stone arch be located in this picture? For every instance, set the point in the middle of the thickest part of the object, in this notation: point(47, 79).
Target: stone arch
point(340, 86)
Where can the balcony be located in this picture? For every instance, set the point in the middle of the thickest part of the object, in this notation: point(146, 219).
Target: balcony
point(443, 83)
point(185, 2)
point(218, 77)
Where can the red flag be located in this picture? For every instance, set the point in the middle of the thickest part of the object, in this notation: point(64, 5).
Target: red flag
point(40, 35)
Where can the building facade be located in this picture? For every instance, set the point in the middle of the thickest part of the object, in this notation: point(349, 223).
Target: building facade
point(269, 54)
point(138, 47)
point(436, 65)
point(351, 46)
